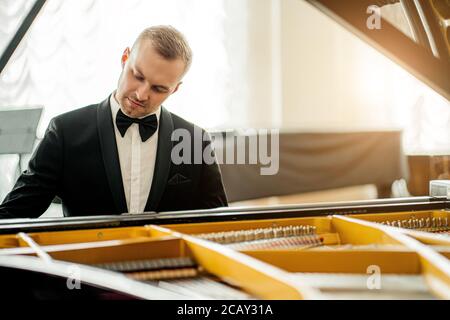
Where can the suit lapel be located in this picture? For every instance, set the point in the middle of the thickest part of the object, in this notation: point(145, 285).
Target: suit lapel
point(108, 147)
point(163, 160)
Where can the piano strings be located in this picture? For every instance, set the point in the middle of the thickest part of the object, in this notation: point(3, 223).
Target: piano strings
point(180, 275)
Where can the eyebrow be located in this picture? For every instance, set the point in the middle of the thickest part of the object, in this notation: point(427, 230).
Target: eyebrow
point(156, 85)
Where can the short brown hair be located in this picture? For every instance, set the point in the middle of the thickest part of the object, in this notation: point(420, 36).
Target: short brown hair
point(168, 42)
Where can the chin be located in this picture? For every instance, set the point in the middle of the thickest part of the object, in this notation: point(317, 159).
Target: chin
point(132, 113)
point(136, 114)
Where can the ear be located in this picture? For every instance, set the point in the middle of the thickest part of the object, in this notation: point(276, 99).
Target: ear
point(176, 88)
point(125, 56)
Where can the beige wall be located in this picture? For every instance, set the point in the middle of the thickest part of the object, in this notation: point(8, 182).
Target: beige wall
point(327, 75)
point(262, 99)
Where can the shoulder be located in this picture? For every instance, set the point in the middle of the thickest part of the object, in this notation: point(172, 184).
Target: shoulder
point(79, 117)
point(77, 114)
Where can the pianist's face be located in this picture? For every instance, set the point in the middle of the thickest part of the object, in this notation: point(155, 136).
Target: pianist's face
point(147, 80)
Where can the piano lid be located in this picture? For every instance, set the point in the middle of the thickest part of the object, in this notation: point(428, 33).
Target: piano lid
point(413, 33)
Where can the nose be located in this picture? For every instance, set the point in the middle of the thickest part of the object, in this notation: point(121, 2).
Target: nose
point(143, 92)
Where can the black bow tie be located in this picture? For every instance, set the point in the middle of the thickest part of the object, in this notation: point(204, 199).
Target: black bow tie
point(147, 125)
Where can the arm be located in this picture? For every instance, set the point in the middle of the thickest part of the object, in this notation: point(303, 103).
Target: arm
point(38, 185)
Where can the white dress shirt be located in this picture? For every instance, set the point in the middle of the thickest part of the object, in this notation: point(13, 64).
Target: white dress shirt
point(137, 161)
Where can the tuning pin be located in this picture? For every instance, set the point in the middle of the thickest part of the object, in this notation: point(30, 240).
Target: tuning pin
point(291, 231)
point(230, 237)
point(260, 235)
point(308, 230)
point(280, 232)
point(275, 233)
point(421, 223)
point(302, 230)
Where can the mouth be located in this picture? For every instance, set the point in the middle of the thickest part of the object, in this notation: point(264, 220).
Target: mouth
point(135, 103)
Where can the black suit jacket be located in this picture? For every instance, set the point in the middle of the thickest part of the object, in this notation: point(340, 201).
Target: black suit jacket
point(77, 160)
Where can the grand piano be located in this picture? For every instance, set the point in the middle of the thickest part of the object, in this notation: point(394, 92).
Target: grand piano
point(395, 248)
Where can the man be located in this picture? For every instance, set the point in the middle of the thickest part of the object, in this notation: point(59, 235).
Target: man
point(115, 157)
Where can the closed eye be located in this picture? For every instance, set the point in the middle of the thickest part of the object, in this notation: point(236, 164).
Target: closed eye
point(160, 89)
point(139, 77)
